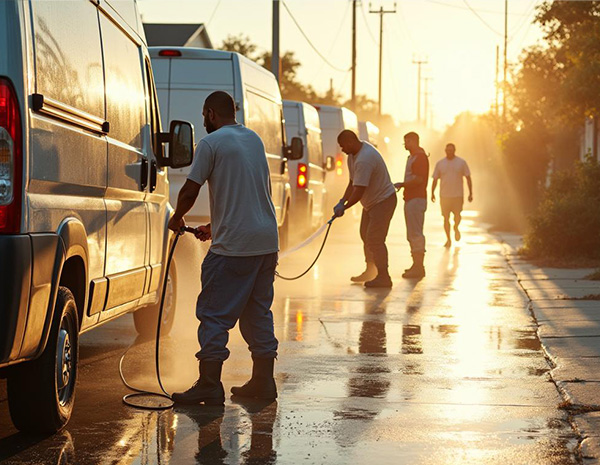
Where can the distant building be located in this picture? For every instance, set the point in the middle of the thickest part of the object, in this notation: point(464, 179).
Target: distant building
point(177, 35)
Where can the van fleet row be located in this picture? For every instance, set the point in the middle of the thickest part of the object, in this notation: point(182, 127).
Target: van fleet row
point(302, 189)
point(84, 192)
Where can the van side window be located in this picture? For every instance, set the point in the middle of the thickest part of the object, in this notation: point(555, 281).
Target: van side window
point(264, 118)
point(153, 112)
point(69, 57)
point(125, 95)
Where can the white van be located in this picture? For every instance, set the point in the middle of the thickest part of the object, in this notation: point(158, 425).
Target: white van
point(309, 195)
point(333, 121)
point(369, 132)
point(185, 76)
point(83, 191)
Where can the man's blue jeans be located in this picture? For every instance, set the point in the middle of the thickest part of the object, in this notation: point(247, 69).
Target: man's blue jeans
point(236, 288)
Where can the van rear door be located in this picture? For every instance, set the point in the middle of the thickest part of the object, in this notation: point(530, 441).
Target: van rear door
point(190, 82)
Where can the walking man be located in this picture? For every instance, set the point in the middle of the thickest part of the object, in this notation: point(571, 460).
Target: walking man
point(450, 171)
point(415, 203)
point(370, 184)
point(238, 272)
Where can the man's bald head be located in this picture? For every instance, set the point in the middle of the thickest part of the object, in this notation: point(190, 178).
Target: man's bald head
point(349, 142)
point(221, 103)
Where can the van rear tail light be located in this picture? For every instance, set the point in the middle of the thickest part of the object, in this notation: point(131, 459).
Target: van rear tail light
point(302, 176)
point(11, 159)
point(169, 53)
point(339, 165)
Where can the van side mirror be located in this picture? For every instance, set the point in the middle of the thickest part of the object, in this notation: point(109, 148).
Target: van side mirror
point(296, 150)
point(329, 164)
point(181, 144)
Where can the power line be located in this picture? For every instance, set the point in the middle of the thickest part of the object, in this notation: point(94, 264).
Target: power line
point(474, 11)
point(213, 13)
point(335, 39)
point(458, 7)
point(367, 26)
point(310, 43)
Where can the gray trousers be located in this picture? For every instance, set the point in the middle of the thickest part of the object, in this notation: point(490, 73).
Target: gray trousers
point(374, 227)
point(414, 214)
point(236, 289)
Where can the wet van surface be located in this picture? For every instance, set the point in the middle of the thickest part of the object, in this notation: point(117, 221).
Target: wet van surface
point(308, 191)
point(185, 76)
point(333, 121)
point(83, 191)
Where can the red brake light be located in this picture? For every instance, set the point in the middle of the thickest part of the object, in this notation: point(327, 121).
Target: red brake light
point(302, 177)
point(169, 53)
point(11, 159)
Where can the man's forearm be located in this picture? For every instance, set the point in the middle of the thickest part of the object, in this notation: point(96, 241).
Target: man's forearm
point(185, 202)
point(355, 196)
point(348, 191)
point(433, 186)
point(470, 185)
point(413, 181)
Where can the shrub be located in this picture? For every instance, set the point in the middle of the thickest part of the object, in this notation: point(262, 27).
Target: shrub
point(566, 223)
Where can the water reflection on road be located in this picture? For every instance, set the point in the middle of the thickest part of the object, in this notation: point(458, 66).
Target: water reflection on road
point(447, 370)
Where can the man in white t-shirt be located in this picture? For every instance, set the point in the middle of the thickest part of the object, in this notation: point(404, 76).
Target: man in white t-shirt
point(239, 270)
point(450, 171)
point(371, 185)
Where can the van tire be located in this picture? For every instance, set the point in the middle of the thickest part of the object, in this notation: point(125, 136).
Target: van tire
point(146, 318)
point(284, 232)
point(36, 402)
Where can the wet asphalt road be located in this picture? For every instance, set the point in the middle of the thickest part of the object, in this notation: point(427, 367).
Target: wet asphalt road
point(447, 370)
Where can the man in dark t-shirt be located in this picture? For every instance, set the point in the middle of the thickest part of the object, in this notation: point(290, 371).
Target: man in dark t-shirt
point(415, 203)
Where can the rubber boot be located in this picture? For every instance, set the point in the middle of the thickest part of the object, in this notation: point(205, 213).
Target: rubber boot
point(262, 384)
point(208, 390)
point(382, 279)
point(366, 275)
point(417, 271)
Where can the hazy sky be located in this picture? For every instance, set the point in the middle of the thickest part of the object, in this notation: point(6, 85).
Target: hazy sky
point(459, 44)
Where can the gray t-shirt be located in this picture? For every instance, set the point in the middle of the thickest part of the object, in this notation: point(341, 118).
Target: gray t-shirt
point(367, 169)
point(233, 161)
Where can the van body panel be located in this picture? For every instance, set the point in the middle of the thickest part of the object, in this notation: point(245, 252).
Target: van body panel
point(302, 120)
point(15, 280)
point(126, 211)
point(195, 75)
point(94, 194)
point(333, 121)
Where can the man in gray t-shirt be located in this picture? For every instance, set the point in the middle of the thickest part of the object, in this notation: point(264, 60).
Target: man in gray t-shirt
point(239, 270)
point(370, 184)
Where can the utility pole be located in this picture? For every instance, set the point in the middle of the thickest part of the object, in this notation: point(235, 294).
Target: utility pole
point(419, 64)
point(354, 2)
point(504, 86)
point(427, 95)
point(497, 109)
point(381, 12)
point(275, 44)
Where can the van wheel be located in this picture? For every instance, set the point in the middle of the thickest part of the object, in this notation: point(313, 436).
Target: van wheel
point(145, 319)
point(41, 393)
point(284, 232)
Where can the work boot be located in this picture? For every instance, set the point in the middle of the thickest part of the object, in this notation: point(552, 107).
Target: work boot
point(382, 280)
point(367, 275)
point(417, 271)
point(208, 390)
point(262, 384)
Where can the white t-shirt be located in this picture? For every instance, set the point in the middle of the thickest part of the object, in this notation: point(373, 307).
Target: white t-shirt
point(367, 169)
point(233, 161)
point(451, 173)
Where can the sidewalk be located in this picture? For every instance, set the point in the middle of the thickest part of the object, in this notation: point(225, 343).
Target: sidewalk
point(566, 307)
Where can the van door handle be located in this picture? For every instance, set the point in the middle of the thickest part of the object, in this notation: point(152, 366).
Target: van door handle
point(153, 175)
point(144, 174)
point(283, 166)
